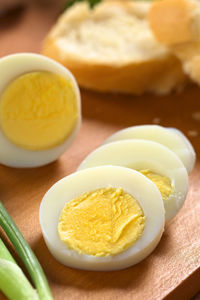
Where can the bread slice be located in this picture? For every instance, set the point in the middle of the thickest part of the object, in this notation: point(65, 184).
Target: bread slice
point(112, 49)
point(176, 24)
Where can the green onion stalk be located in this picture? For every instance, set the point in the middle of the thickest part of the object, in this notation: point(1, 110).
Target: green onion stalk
point(12, 280)
point(91, 3)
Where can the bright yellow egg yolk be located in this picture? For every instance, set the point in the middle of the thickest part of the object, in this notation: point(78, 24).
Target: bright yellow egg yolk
point(163, 183)
point(101, 223)
point(38, 110)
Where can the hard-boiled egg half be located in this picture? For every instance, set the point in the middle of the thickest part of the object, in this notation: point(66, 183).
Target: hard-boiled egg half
point(172, 138)
point(152, 159)
point(102, 218)
point(39, 110)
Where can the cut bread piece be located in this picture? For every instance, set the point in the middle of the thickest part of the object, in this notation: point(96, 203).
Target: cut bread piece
point(176, 24)
point(111, 48)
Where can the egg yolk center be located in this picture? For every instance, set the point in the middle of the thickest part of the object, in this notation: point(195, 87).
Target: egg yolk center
point(163, 183)
point(102, 222)
point(38, 110)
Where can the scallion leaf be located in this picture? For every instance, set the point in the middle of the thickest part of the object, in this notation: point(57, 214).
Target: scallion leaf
point(4, 253)
point(26, 254)
point(92, 3)
point(13, 282)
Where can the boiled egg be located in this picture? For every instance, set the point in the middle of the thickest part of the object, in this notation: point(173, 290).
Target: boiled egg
point(152, 159)
point(39, 110)
point(172, 138)
point(102, 218)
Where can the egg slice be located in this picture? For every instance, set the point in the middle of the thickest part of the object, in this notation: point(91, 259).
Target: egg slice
point(102, 218)
point(172, 138)
point(154, 160)
point(39, 110)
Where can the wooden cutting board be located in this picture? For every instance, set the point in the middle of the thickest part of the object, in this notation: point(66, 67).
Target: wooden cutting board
point(172, 271)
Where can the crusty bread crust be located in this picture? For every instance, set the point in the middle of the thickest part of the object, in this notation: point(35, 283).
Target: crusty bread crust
point(176, 24)
point(157, 71)
point(171, 21)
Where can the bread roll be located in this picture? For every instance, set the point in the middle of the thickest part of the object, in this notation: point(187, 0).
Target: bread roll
point(176, 24)
point(112, 49)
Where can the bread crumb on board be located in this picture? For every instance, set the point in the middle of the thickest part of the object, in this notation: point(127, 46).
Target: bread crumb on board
point(156, 120)
point(196, 116)
point(192, 133)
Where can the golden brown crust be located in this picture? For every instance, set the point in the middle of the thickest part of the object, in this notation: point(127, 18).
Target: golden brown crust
point(153, 74)
point(171, 22)
point(134, 78)
point(176, 23)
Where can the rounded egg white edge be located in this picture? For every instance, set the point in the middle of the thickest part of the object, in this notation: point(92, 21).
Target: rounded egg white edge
point(182, 147)
point(192, 158)
point(72, 258)
point(10, 154)
point(175, 170)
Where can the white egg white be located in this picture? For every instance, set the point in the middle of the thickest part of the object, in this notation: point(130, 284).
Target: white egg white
point(141, 155)
point(79, 182)
point(172, 138)
point(11, 67)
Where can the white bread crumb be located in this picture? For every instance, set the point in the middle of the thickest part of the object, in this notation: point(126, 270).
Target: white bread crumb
point(112, 48)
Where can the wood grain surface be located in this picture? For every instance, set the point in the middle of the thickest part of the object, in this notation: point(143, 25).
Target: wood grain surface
point(172, 271)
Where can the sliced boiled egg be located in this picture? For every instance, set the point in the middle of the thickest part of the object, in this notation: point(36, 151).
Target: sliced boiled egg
point(102, 218)
point(172, 138)
point(39, 110)
point(154, 160)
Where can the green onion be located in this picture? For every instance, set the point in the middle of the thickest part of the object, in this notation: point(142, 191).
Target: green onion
point(91, 3)
point(13, 282)
point(4, 253)
point(26, 254)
